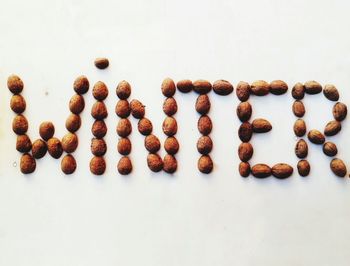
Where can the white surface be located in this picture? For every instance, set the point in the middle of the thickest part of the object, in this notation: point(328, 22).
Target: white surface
point(188, 219)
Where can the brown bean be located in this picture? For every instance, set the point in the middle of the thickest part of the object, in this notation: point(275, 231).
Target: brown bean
point(260, 88)
point(204, 145)
point(122, 109)
point(245, 151)
point(76, 104)
point(99, 110)
point(170, 106)
point(27, 164)
point(282, 170)
point(69, 142)
point(39, 149)
point(205, 164)
point(124, 146)
point(301, 149)
point(244, 111)
point(73, 123)
point(202, 86)
point(154, 162)
point(312, 87)
point(98, 147)
point(222, 87)
point(123, 90)
point(169, 126)
point(338, 167)
point(145, 126)
point(99, 129)
point(169, 164)
point(101, 62)
point(303, 168)
point(243, 91)
point(298, 108)
point(203, 104)
point(245, 132)
point(124, 166)
point(18, 104)
point(340, 111)
point(316, 137)
point(46, 130)
point(54, 147)
point(278, 87)
point(97, 165)
point(68, 164)
point(152, 143)
point(332, 128)
point(244, 169)
point(261, 171)
point(81, 85)
point(330, 149)
point(15, 84)
point(185, 86)
point(204, 125)
point(124, 127)
point(168, 87)
point(100, 91)
point(137, 109)
point(261, 125)
point(298, 91)
point(331, 92)
point(23, 143)
point(171, 145)
point(299, 127)
point(20, 125)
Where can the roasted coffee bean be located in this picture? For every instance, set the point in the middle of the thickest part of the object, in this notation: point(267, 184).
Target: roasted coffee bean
point(170, 106)
point(101, 63)
point(185, 86)
point(312, 87)
point(244, 169)
point(298, 108)
point(282, 170)
point(243, 91)
point(168, 87)
point(205, 164)
point(171, 145)
point(145, 126)
point(124, 146)
point(301, 149)
point(331, 92)
point(123, 90)
point(204, 125)
point(330, 149)
point(81, 85)
point(303, 168)
point(338, 167)
point(154, 162)
point(124, 166)
point(73, 123)
point(298, 91)
point(99, 110)
point(68, 164)
point(244, 111)
point(245, 132)
point(332, 128)
point(15, 84)
point(260, 88)
point(100, 91)
point(98, 147)
point(124, 127)
point(122, 109)
point(137, 109)
point(169, 164)
point(222, 87)
point(99, 129)
point(152, 143)
point(203, 104)
point(18, 104)
point(97, 165)
point(316, 137)
point(204, 145)
point(261, 125)
point(20, 125)
point(261, 171)
point(76, 104)
point(202, 86)
point(340, 111)
point(39, 149)
point(54, 147)
point(299, 128)
point(27, 164)
point(23, 143)
point(245, 151)
point(278, 87)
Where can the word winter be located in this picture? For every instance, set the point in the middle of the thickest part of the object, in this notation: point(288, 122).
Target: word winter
point(125, 109)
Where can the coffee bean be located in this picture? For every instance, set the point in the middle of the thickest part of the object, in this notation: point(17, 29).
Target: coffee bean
point(245, 151)
point(27, 164)
point(244, 111)
point(73, 123)
point(222, 87)
point(316, 137)
point(145, 126)
point(299, 128)
point(101, 63)
point(282, 170)
point(170, 106)
point(39, 149)
point(76, 104)
point(185, 86)
point(260, 88)
point(169, 126)
point(312, 87)
point(205, 164)
point(245, 132)
point(332, 128)
point(243, 91)
point(261, 171)
point(18, 104)
point(123, 90)
point(20, 125)
point(244, 169)
point(202, 86)
point(97, 165)
point(68, 164)
point(54, 147)
point(261, 125)
point(170, 164)
point(124, 127)
point(124, 146)
point(204, 125)
point(137, 109)
point(168, 87)
point(99, 110)
point(278, 87)
point(69, 142)
point(122, 109)
point(99, 129)
point(152, 143)
point(204, 145)
point(15, 84)
point(330, 149)
point(81, 85)
point(340, 111)
point(203, 104)
point(23, 143)
point(100, 91)
point(301, 149)
point(298, 108)
point(338, 167)
point(98, 147)
point(303, 168)
point(154, 162)
point(124, 166)
point(298, 91)
point(171, 145)
point(331, 92)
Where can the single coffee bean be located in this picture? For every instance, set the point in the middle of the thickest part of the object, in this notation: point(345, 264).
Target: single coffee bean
point(101, 63)
point(23, 143)
point(145, 126)
point(171, 145)
point(99, 129)
point(260, 88)
point(338, 167)
point(245, 132)
point(123, 90)
point(81, 85)
point(124, 146)
point(100, 91)
point(331, 92)
point(244, 169)
point(316, 137)
point(303, 168)
point(185, 86)
point(54, 147)
point(202, 86)
point(298, 91)
point(170, 106)
point(340, 111)
point(244, 111)
point(69, 142)
point(73, 123)
point(301, 149)
point(243, 91)
point(154, 162)
point(98, 147)
point(18, 104)
point(261, 170)
point(99, 110)
point(39, 149)
point(20, 125)
point(169, 126)
point(68, 164)
point(330, 149)
point(282, 170)
point(97, 165)
point(312, 87)
point(299, 128)
point(245, 151)
point(332, 128)
point(204, 125)
point(205, 164)
point(124, 166)
point(203, 104)
point(261, 125)
point(204, 145)
point(278, 87)
point(76, 104)
point(298, 108)
point(137, 109)
point(122, 109)
point(27, 164)
point(46, 130)
point(124, 127)
point(169, 164)
point(222, 87)
point(15, 84)
point(152, 143)
point(168, 87)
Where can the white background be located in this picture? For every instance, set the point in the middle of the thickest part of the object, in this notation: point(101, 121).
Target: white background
point(186, 219)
